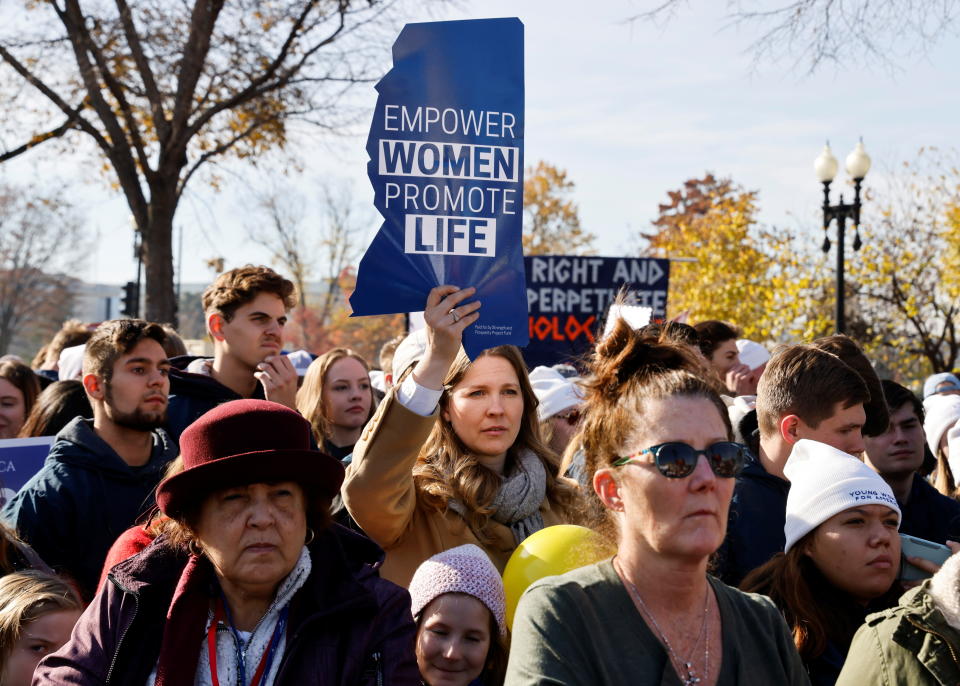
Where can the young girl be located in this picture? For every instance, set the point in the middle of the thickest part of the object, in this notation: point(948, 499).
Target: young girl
point(37, 614)
point(458, 603)
point(841, 558)
point(337, 400)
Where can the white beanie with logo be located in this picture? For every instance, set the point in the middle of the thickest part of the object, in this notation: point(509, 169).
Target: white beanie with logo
point(824, 482)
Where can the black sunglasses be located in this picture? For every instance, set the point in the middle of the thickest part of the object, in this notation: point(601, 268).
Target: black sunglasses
point(677, 460)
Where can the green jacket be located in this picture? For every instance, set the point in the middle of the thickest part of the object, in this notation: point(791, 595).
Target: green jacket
point(907, 644)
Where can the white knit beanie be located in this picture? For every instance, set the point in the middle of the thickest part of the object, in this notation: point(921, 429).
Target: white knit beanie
point(941, 413)
point(752, 353)
point(555, 392)
point(464, 569)
point(825, 481)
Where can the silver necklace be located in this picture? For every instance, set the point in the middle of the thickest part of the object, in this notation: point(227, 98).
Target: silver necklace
point(691, 678)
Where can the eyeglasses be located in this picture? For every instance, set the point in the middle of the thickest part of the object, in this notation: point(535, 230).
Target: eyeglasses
point(677, 460)
point(572, 417)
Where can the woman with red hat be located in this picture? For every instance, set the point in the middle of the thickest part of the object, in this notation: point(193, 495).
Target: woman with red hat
point(250, 583)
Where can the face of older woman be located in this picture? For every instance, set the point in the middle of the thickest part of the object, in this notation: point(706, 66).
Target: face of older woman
point(253, 534)
point(858, 550)
point(685, 517)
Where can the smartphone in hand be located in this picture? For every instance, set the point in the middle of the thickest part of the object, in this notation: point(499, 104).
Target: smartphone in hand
point(911, 546)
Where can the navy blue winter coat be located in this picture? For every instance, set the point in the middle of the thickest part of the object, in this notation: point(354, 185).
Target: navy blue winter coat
point(191, 395)
point(929, 514)
point(83, 497)
point(758, 512)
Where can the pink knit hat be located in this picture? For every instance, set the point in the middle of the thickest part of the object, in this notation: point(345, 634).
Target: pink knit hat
point(464, 569)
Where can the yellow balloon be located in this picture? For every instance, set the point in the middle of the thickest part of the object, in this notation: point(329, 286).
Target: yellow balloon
point(551, 551)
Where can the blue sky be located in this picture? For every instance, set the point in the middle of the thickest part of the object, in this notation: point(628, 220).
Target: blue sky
point(630, 111)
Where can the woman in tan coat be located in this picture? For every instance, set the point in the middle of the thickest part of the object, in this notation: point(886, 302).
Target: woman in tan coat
point(453, 455)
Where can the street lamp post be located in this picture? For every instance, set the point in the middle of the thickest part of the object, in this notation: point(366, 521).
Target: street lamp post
point(825, 168)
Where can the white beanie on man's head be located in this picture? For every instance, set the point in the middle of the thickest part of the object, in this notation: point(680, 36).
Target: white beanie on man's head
point(825, 481)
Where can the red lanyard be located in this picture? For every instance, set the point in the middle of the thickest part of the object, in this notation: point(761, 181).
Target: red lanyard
point(265, 660)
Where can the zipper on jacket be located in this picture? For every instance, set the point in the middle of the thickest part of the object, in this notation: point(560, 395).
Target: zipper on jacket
point(378, 667)
point(136, 608)
point(938, 635)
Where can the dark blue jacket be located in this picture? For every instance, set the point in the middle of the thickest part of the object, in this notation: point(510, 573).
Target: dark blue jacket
point(755, 525)
point(191, 395)
point(83, 497)
point(929, 514)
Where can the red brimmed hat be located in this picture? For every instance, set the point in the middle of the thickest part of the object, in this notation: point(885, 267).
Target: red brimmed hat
point(242, 442)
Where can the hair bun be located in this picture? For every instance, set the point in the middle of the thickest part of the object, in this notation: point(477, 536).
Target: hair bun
point(626, 353)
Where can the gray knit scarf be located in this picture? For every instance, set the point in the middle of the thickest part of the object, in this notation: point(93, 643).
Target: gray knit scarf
point(517, 504)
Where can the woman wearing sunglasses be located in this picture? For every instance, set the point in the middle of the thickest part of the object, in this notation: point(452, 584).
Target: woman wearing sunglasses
point(841, 558)
point(658, 450)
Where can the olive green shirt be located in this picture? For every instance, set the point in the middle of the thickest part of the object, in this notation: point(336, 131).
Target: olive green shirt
point(583, 628)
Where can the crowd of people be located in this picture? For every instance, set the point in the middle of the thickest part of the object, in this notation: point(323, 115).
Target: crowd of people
point(264, 518)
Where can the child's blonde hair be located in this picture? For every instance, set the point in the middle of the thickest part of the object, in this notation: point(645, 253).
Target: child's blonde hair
point(24, 597)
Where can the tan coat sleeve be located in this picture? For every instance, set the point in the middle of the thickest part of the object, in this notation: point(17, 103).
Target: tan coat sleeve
point(378, 490)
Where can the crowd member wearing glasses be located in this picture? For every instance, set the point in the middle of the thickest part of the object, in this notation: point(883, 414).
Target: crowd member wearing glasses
point(453, 455)
point(657, 441)
point(841, 558)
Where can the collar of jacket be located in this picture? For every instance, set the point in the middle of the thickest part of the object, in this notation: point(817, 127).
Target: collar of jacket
point(923, 631)
point(78, 444)
point(183, 382)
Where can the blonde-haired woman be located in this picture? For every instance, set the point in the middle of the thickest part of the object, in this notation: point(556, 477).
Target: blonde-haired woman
point(337, 399)
point(453, 455)
point(37, 613)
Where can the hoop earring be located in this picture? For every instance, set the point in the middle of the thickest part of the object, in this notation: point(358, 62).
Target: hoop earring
point(310, 536)
point(195, 548)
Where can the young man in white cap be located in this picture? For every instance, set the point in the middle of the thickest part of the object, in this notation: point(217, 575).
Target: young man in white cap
point(896, 455)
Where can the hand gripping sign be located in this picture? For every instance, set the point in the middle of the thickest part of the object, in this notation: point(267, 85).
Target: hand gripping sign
point(446, 164)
